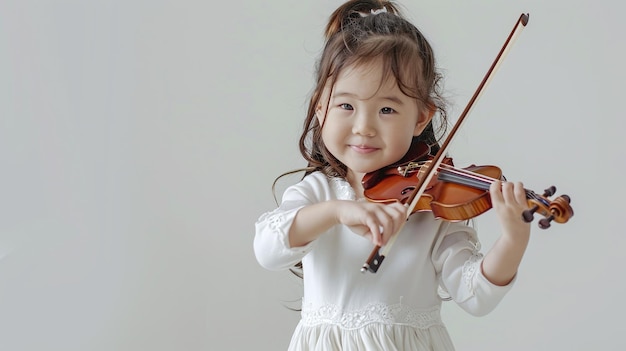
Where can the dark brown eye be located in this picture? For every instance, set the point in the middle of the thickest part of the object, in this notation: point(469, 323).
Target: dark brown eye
point(346, 107)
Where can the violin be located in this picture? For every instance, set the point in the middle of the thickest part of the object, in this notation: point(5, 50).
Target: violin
point(455, 194)
point(425, 182)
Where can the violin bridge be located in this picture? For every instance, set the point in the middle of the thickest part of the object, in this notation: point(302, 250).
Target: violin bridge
point(410, 167)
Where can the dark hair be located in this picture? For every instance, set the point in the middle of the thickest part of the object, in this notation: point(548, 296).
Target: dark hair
point(359, 32)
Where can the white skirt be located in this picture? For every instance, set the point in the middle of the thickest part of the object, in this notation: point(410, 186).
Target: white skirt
point(329, 337)
point(377, 327)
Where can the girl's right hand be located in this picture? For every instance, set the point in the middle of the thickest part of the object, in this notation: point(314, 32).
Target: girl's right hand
point(375, 221)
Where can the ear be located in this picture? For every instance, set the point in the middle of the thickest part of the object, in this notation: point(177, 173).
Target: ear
point(423, 119)
point(319, 114)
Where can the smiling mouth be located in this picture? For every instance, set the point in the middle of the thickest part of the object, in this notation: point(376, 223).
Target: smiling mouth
point(363, 149)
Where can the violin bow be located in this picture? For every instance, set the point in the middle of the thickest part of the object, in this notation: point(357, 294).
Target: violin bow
point(375, 259)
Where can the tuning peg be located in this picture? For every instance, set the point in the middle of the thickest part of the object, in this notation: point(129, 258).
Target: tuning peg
point(529, 214)
point(544, 223)
point(550, 191)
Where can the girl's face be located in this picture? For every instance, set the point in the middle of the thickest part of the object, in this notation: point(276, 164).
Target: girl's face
point(368, 125)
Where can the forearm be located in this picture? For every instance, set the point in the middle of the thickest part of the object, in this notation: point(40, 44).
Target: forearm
point(311, 221)
point(501, 263)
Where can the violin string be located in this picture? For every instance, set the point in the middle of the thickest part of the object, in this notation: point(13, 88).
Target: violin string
point(486, 180)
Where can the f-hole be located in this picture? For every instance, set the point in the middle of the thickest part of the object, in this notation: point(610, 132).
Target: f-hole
point(407, 190)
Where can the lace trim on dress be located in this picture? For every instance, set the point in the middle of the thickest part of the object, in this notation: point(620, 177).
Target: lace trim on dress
point(277, 217)
point(471, 267)
point(278, 220)
point(342, 188)
point(396, 314)
point(274, 218)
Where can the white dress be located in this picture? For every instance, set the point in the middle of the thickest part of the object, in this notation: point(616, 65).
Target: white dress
point(397, 308)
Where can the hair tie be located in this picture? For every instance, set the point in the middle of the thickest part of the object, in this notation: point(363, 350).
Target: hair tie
point(375, 12)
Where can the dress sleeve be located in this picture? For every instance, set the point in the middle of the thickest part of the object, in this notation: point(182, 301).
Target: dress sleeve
point(458, 260)
point(271, 240)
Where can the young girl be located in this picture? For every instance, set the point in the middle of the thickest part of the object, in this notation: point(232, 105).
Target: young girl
point(377, 90)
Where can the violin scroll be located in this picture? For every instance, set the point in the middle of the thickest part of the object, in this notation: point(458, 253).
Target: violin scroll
point(558, 210)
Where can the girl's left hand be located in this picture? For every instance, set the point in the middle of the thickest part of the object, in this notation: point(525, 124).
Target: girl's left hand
point(508, 199)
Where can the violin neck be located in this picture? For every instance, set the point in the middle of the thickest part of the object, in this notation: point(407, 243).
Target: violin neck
point(471, 179)
point(464, 177)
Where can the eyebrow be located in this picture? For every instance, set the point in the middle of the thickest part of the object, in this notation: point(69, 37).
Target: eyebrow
point(392, 98)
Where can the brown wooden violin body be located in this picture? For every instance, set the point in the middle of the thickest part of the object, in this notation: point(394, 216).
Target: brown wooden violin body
point(450, 200)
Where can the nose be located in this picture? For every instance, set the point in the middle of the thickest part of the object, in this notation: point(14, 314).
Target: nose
point(364, 124)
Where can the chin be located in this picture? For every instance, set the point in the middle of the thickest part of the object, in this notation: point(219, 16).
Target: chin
point(363, 170)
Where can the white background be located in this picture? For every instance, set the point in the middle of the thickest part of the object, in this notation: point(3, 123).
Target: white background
point(139, 141)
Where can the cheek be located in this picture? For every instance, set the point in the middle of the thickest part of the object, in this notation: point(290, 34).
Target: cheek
point(326, 135)
point(330, 139)
point(402, 142)
point(331, 128)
